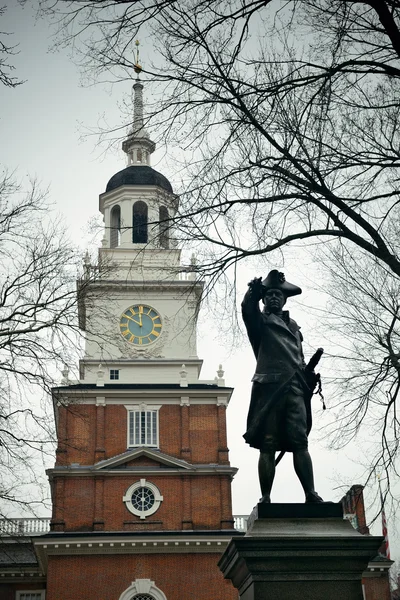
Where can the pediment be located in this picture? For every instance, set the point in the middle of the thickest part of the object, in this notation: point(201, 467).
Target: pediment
point(141, 458)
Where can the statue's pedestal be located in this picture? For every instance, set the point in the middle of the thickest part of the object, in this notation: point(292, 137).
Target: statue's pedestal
point(299, 552)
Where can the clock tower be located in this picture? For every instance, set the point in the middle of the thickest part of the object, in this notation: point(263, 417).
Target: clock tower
point(141, 486)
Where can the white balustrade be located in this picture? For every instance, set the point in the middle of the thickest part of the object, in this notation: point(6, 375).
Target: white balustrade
point(24, 527)
point(40, 526)
point(240, 522)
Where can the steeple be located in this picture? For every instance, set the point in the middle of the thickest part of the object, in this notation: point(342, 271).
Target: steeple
point(138, 146)
point(139, 201)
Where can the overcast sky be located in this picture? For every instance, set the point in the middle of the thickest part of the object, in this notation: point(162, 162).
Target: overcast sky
point(42, 123)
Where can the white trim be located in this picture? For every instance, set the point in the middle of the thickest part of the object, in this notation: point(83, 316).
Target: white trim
point(194, 471)
point(150, 396)
point(19, 595)
point(115, 373)
point(134, 544)
point(112, 401)
point(363, 591)
point(143, 586)
point(153, 453)
point(143, 406)
point(127, 498)
point(138, 409)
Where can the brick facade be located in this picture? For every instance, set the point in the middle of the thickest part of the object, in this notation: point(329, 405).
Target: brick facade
point(81, 500)
point(94, 468)
point(85, 430)
point(180, 577)
point(375, 579)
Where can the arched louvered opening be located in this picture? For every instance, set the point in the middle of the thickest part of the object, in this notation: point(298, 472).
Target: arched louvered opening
point(115, 237)
point(164, 227)
point(139, 225)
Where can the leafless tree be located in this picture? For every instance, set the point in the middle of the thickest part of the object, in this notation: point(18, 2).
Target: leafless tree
point(362, 371)
point(7, 50)
point(38, 331)
point(287, 114)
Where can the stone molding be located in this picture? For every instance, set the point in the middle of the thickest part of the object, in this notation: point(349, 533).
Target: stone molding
point(143, 586)
point(136, 543)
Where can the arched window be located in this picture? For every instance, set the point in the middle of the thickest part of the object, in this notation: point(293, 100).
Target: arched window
point(115, 237)
point(139, 224)
point(164, 227)
point(143, 589)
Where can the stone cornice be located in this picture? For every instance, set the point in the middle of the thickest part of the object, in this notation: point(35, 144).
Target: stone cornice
point(193, 471)
point(195, 286)
point(128, 543)
point(115, 394)
point(21, 574)
point(129, 191)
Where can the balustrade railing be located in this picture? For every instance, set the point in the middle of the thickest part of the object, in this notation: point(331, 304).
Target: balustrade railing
point(240, 522)
point(40, 526)
point(24, 527)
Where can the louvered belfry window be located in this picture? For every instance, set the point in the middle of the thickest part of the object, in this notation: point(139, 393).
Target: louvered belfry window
point(139, 225)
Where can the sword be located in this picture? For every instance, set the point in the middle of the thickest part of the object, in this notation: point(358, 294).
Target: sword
point(310, 366)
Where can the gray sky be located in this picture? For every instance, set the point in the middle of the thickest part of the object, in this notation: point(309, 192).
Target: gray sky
point(42, 123)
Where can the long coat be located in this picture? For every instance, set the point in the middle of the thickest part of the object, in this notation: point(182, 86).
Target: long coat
point(276, 343)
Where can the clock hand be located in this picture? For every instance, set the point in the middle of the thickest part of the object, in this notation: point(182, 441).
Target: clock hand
point(134, 320)
point(140, 316)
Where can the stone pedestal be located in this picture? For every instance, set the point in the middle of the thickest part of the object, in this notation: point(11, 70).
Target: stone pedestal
point(299, 552)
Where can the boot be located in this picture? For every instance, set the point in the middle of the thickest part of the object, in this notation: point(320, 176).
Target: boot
point(312, 497)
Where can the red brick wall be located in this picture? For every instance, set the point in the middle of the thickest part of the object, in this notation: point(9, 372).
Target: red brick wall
point(353, 503)
point(179, 576)
point(208, 504)
point(89, 433)
point(377, 588)
point(80, 435)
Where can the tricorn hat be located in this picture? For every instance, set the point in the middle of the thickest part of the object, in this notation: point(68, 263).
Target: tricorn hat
point(276, 281)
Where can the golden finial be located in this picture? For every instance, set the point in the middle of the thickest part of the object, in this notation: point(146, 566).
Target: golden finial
point(137, 67)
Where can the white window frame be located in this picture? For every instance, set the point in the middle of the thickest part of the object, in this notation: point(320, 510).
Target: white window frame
point(143, 586)
point(127, 498)
point(20, 594)
point(138, 409)
point(114, 371)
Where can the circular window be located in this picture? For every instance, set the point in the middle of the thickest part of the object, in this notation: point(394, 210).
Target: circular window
point(142, 499)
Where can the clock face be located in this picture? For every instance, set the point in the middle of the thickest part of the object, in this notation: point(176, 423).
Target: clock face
point(140, 325)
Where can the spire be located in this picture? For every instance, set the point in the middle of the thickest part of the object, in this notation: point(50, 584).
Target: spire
point(138, 146)
point(137, 107)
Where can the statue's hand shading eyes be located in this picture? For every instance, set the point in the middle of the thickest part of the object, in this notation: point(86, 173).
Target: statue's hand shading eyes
point(255, 288)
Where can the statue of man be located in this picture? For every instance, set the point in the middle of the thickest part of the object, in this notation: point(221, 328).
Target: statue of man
point(280, 408)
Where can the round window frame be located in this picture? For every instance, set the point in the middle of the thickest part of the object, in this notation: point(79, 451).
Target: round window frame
point(158, 498)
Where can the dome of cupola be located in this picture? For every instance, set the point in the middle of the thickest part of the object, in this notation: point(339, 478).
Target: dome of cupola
point(138, 175)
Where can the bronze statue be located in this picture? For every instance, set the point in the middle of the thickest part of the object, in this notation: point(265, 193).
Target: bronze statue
point(280, 408)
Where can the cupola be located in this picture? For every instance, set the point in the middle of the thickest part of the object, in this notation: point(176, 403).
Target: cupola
point(139, 201)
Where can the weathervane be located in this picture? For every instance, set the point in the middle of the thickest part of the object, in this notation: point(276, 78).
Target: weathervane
point(137, 67)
